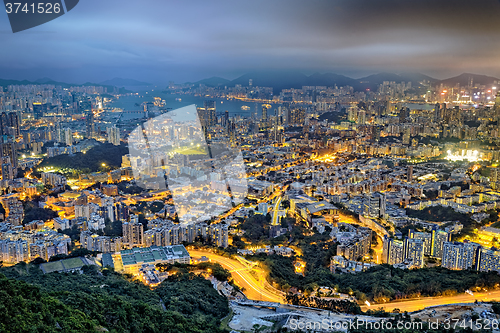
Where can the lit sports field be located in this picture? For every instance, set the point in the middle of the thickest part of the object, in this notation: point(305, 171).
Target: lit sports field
point(193, 150)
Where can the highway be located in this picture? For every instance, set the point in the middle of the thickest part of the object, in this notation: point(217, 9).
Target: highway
point(419, 304)
point(258, 289)
point(255, 289)
point(276, 209)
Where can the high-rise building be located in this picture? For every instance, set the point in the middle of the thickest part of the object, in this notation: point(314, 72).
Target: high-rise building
point(494, 174)
point(14, 210)
point(393, 251)
point(409, 173)
point(113, 135)
point(8, 149)
point(460, 255)
point(439, 237)
point(39, 109)
point(356, 247)
point(437, 112)
point(255, 114)
point(375, 205)
point(489, 260)
point(403, 114)
point(425, 237)
point(497, 101)
point(68, 136)
point(298, 117)
point(396, 251)
point(10, 123)
point(352, 113)
point(133, 233)
point(414, 251)
point(14, 251)
point(264, 116)
point(219, 234)
point(121, 212)
point(361, 117)
point(7, 171)
point(90, 124)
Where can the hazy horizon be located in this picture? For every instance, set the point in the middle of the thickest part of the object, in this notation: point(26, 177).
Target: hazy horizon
point(157, 42)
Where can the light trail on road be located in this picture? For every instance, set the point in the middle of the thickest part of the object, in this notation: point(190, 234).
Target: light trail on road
point(254, 289)
point(276, 209)
point(424, 302)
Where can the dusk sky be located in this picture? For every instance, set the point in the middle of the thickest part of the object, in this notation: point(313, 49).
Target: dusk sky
point(159, 41)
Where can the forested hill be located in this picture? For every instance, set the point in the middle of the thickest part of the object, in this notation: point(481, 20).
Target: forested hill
point(97, 301)
point(99, 158)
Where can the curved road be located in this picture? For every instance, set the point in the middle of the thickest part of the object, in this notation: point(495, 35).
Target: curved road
point(254, 289)
point(419, 304)
point(276, 209)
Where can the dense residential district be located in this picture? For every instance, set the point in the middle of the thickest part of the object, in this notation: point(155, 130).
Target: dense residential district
point(349, 200)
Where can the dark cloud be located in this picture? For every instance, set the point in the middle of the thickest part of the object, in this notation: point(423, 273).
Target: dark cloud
point(158, 41)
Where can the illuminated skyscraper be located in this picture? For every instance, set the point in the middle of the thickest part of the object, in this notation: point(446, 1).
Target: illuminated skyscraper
point(439, 237)
point(68, 136)
point(361, 117)
point(298, 116)
point(264, 117)
point(133, 233)
point(409, 173)
point(460, 255)
point(414, 250)
point(489, 260)
point(90, 125)
point(392, 251)
point(207, 114)
point(374, 205)
point(425, 237)
point(113, 135)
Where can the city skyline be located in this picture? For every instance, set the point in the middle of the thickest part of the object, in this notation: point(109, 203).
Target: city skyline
point(227, 166)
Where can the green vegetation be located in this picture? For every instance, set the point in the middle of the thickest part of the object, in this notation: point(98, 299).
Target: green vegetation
point(387, 283)
point(439, 214)
point(317, 249)
point(106, 300)
point(215, 269)
point(92, 161)
point(496, 307)
point(332, 117)
point(193, 296)
point(113, 229)
point(156, 206)
point(384, 282)
point(33, 212)
point(256, 227)
point(25, 308)
point(129, 188)
point(427, 140)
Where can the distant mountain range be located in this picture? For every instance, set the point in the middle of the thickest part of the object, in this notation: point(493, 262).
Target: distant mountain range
point(279, 80)
point(285, 80)
point(119, 82)
point(465, 78)
point(109, 84)
point(46, 80)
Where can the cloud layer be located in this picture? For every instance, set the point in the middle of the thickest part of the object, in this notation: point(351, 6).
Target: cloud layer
point(158, 41)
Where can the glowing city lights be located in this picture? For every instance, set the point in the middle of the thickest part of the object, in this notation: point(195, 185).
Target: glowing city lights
point(464, 155)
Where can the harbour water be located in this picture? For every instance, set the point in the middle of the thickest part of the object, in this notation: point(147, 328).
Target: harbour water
point(175, 101)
